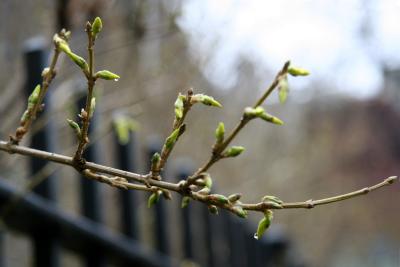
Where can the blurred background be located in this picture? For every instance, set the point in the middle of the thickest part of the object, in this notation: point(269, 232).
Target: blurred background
point(341, 129)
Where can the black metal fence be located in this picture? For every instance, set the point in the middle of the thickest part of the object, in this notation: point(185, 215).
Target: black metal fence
point(205, 239)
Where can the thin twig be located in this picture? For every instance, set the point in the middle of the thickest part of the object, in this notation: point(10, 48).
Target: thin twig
point(91, 80)
point(32, 112)
point(92, 170)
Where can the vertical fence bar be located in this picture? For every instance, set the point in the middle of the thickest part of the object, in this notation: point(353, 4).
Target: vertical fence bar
point(90, 193)
point(160, 214)
point(208, 232)
point(46, 247)
point(126, 158)
point(183, 173)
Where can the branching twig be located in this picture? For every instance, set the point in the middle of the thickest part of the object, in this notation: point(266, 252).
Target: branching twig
point(197, 186)
point(91, 170)
point(48, 75)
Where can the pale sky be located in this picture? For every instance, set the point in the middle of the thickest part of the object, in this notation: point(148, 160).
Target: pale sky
point(322, 36)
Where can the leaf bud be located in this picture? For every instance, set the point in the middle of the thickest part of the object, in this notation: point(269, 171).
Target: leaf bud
point(97, 25)
point(233, 151)
point(92, 107)
point(34, 97)
point(107, 75)
point(234, 197)
point(295, 71)
point(179, 106)
point(264, 224)
point(213, 209)
point(154, 198)
point(206, 100)
point(185, 202)
point(220, 132)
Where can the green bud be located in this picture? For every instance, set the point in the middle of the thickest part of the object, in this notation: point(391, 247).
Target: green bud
point(185, 202)
point(234, 197)
point(219, 198)
point(213, 209)
point(92, 107)
point(170, 142)
point(206, 100)
point(78, 61)
point(294, 71)
point(154, 198)
point(268, 117)
point(263, 224)
point(107, 75)
point(179, 106)
point(61, 44)
point(123, 125)
point(204, 191)
point(207, 181)
point(34, 97)
point(273, 204)
point(272, 198)
point(25, 116)
point(239, 211)
point(233, 151)
point(155, 159)
point(283, 89)
point(97, 25)
point(220, 132)
point(75, 127)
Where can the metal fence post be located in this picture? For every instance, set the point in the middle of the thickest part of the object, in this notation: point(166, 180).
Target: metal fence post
point(126, 158)
point(160, 214)
point(90, 192)
point(46, 247)
point(182, 174)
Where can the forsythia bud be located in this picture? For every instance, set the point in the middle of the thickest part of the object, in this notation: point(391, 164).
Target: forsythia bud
point(213, 209)
point(208, 181)
point(283, 89)
point(78, 61)
point(239, 211)
point(155, 159)
point(234, 197)
point(97, 25)
point(185, 202)
point(107, 75)
point(92, 107)
point(34, 97)
point(219, 198)
point(294, 71)
point(272, 198)
point(259, 112)
point(154, 198)
point(264, 224)
point(233, 151)
point(220, 132)
point(206, 100)
point(170, 142)
point(75, 127)
point(179, 106)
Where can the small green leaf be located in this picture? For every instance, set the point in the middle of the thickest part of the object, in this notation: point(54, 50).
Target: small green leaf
point(185, 202)
point(263, 224)
point(179, 106)
point(75, 127)
point(80, 61)
point(268, 117)
point(220, 132)
point(107, 75)
point(295, 71)
point(97, 25)
point(206, 100)
point(34, 97)
point(170, 142)
point(283, 89)
point(154, 198)
point(233, 151)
